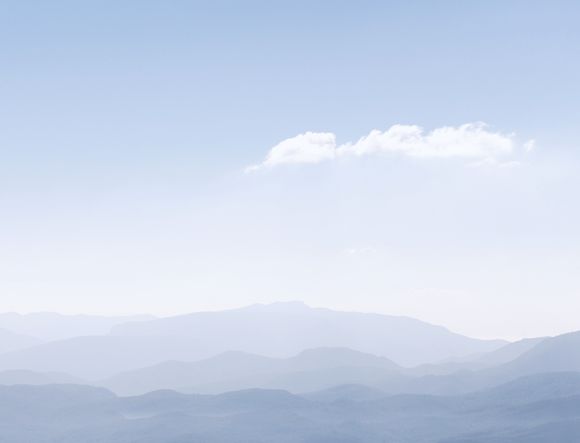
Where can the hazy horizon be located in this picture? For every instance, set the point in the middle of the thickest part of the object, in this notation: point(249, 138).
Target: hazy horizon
point(274, 303)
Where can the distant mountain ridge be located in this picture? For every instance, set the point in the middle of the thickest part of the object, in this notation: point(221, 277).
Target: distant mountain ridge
point(553, 354)
point(278, 330)
point(11, 341)
point(48, 326)
point(312, 369)
point(95, 357)
point(285, 329)
point(559, 355)
point(321, 368)
point(213, 352)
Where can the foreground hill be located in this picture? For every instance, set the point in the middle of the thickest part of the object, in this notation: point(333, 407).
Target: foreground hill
point(539, 409)
point(285, 329)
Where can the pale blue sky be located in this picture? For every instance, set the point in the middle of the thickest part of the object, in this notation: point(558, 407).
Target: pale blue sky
point(126, 127)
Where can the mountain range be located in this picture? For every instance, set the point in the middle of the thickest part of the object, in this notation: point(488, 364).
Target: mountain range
point(283, 372)
point(310, 370)
point(285, 329)
point(279, 330)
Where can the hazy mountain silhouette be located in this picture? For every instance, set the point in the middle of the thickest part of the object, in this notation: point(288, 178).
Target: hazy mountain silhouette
point(310, 370)
point(180, 353)
point(10, 341)
point(176, 353)
point(502, 355)
point(322, 368)
point(560, 353)
point(532, 388)
point(507, 353)
point(555, 354)
point(101, 356)
point(51, 326)
point(285, 329)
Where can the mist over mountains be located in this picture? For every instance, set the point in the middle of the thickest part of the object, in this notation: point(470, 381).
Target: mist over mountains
point(285, 329)
point(281, 372)
point(279, 330)
point(48, 326)
point(10, 341)
point(313, 369)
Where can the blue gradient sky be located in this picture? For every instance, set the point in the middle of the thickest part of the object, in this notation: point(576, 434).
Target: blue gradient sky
point(125, 128)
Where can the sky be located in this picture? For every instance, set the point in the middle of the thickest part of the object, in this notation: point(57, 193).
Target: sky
point(411, 158)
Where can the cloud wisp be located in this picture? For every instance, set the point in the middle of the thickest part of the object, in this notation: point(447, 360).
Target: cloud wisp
point(470, 141)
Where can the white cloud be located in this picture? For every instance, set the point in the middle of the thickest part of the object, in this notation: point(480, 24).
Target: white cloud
point(473, 141)
point(310, 147)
